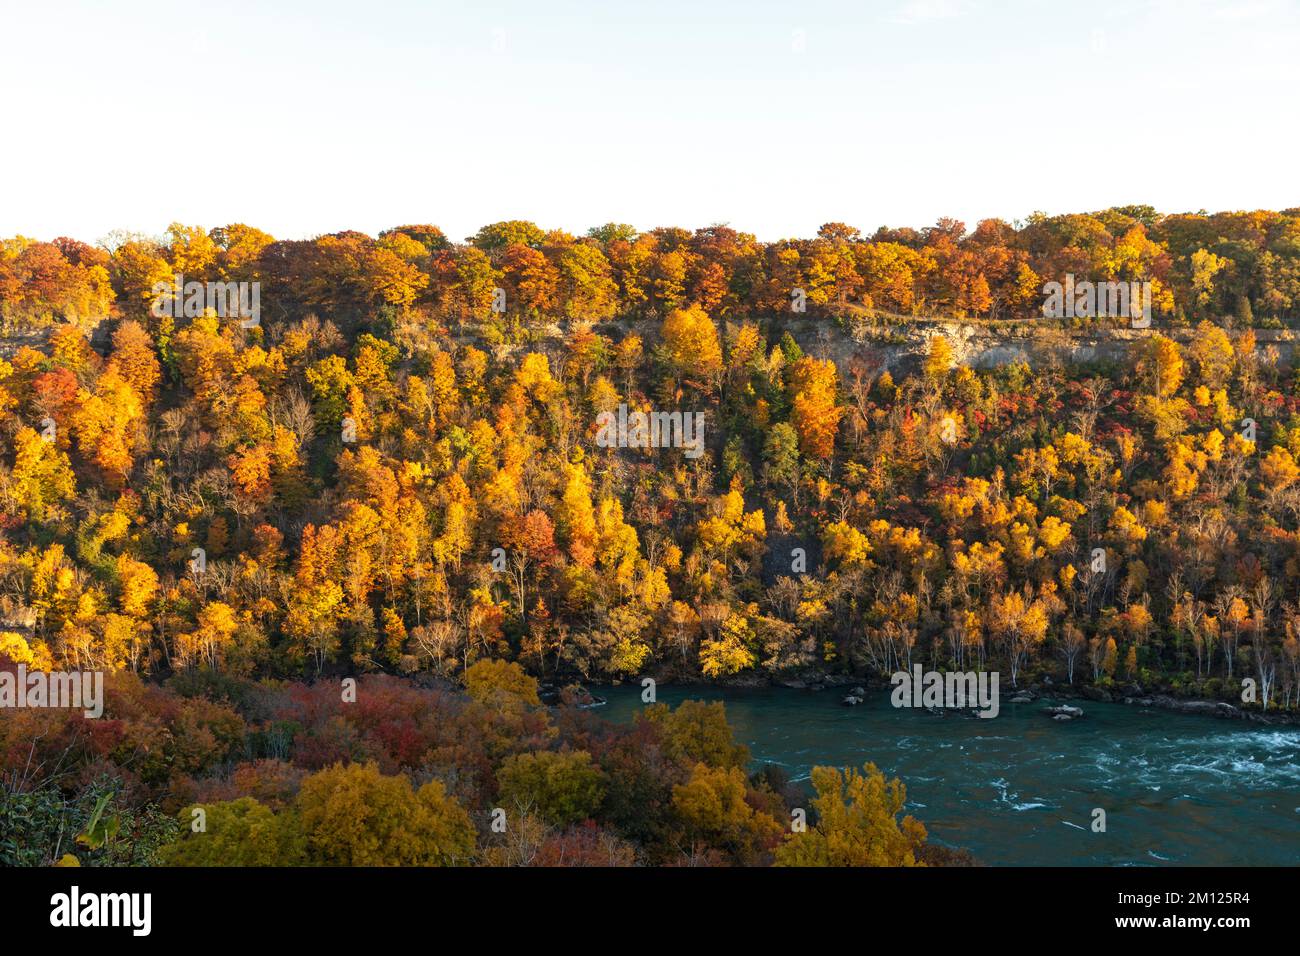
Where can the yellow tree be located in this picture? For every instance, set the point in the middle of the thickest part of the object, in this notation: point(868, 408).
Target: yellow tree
point(41, 477)
point(844, 543)
point(1160, 362)
point(137, 588)
point(1212, 353)
point(691, 346)
point(355, 816)
point(857, 823)
point(713, 807)
point(106, 423)
point(938, 360)
point(731, 651)
point(576, 517)
point(1022, 626)
point(208, 642)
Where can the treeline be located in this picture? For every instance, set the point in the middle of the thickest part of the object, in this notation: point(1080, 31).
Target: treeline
point(1244, 264)
point(210, 771)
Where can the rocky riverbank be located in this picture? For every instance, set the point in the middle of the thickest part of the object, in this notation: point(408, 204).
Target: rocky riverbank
point(1132, 694)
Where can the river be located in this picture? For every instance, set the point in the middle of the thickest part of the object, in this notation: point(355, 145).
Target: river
point(1020, 789)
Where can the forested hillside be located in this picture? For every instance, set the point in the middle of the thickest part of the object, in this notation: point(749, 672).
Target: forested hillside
point(397, 468)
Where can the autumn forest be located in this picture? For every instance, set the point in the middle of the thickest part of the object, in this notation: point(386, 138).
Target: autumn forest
point(390, 482)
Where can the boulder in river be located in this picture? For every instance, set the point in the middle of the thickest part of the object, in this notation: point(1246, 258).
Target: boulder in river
point(1064, 712)
point(575, 695)
point(852, 700)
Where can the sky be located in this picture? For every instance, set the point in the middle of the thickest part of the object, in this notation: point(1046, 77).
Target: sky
point(303, 118)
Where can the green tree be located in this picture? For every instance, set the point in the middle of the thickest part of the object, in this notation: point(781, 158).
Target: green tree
point(239, 832)
point(562, 787)
point(781, 456)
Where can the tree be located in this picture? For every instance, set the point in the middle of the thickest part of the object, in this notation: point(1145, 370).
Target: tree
point(533, 283)
point(133, 357)
point(501, 235)
point(530, 542)
point(697, 732)
point(138, 266)
point(713, 806)
point(814, 414)
point(730, 652)
point(354, 816)
point(691, 347)
point(1245, 315)
point(781, 456)
point(240, 832)
point(208, 643)
point(1021, 624)
point(1160, 362)
point(938, 360)
point(586, 288)
point(1212, 355)
point(41, 477)
point(577, 517)
point(844, 543)
point(1205, 268)
point(562, 787)
point(500, 683)
point(108, 424)
point(857, 823)
point(1073, 644)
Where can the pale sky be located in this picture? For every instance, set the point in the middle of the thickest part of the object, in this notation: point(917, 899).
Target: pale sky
point(309, 117)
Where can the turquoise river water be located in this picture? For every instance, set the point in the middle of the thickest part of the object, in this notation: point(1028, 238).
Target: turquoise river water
point(1020, 789)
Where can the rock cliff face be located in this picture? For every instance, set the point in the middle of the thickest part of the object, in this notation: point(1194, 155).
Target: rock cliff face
point(988, 345)
point(97, 332)
point(897, 347)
